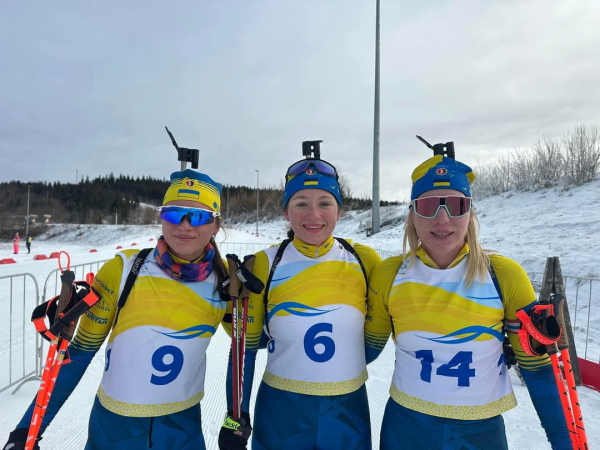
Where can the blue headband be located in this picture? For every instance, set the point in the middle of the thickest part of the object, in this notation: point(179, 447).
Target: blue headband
point(311, 179)
point(440, 172)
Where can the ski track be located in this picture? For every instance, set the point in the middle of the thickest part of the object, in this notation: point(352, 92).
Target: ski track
point(521, 226)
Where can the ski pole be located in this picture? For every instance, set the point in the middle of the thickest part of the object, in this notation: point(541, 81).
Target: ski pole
point(60, 332)
point(564, 396)
point(240, 274)
point(234, 287)
point(243, 273)
point(558, 300)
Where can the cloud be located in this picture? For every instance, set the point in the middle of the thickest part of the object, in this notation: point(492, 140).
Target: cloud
point(89, 88)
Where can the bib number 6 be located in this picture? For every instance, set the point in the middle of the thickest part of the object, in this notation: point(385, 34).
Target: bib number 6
point(326, 346)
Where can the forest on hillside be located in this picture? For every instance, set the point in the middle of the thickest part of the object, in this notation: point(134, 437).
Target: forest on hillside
point(127, 200)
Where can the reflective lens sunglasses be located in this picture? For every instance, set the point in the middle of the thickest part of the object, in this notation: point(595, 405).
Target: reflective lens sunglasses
point(319, 165)
point(429, 207)
point(196, 216)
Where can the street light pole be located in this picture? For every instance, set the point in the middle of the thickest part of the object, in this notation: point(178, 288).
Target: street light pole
point(227, 207)
point(27, 226)
point(375, 211)
point(257, 190)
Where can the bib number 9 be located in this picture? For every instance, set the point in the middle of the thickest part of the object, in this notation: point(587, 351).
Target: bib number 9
point(327, 345)
point(170, 369)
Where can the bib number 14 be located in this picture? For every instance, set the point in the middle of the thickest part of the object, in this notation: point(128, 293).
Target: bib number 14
point(458, 367)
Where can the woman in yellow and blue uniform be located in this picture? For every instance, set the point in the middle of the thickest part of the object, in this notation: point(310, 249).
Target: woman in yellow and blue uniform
point(313, 391)
point(153, 378)
point(447, 318)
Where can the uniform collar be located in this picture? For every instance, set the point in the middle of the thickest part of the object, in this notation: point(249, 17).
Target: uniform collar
point(313, 251)
point(428, 261)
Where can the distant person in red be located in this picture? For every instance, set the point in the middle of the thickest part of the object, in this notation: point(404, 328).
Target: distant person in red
point(16, 241)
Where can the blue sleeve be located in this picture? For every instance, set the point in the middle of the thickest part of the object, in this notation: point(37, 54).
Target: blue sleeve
point(372, 353)
point(249, 361)
point(67, 380)
point(544, 394)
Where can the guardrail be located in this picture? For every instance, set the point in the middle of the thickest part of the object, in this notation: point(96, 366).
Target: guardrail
point(19, 295)
point(583, 298)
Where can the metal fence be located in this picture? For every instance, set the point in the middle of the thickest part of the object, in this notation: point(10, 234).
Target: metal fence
point(18, 297)
point(583, 298)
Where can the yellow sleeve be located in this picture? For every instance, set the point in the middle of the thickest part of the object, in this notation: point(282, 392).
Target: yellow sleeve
point(96, 323)
point(378, 324)
point(256, 307)
point(369, 257)
point(254, 326)
point(517, 293)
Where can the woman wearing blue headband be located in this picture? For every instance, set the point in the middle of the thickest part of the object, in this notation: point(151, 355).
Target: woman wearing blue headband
point(446, 303)
point(153, 379)
point(313, 391)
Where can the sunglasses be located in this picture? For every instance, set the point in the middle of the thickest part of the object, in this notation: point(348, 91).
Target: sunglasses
point(196, 216)
point(323, 167)
point(429, 207)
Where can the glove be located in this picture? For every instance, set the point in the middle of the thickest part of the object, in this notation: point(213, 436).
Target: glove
point(509, 353)
point(17, 439)
point(228, 440)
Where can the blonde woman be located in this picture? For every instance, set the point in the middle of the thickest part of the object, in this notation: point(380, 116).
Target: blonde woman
point(447, 303)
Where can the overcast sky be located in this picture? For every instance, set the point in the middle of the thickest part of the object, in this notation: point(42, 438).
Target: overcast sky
point(87, 87)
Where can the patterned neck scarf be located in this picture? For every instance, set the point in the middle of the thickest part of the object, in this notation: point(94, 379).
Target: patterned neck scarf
point(186, 272)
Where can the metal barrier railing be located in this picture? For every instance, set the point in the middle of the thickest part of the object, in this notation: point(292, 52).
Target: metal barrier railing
point(18, 297)
point(583, 301)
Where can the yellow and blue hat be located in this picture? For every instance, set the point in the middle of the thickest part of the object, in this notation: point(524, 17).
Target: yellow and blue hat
point(440, 172)
point(313, 174)
point(194, 186)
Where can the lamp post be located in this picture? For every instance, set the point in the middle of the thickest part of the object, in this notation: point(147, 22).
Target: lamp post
point(27, 223)
point(257, 189)
point(375, 211)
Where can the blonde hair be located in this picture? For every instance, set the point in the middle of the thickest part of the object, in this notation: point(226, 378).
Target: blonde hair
point(478, 263)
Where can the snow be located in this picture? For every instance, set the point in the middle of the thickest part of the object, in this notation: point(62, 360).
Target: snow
point(528, 227)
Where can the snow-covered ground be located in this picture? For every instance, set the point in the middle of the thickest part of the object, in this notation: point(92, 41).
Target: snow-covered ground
point(528, 227)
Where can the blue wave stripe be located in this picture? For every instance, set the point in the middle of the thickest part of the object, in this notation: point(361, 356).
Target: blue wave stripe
point(291, 307)
point(190, 333)
point(475, 331)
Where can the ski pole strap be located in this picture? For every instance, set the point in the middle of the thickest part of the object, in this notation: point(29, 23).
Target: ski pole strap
point(539, 328)
point(348, 247)
point(274, 265)
point(251, 283)
point(233, 281)
point(82, 298)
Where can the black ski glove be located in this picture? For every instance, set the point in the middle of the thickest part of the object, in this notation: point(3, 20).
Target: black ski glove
point(228, 440)
point(17, 439)
point(509, 353)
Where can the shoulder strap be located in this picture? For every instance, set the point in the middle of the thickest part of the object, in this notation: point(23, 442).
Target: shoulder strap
point(276, 260)
point(133, 273)
point(496, 284)
point(351, 249)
